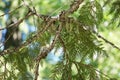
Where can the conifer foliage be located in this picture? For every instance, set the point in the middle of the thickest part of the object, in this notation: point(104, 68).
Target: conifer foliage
point(74, 30)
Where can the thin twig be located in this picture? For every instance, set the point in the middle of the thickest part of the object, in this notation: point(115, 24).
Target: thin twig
point(1, 62)
point(11, 11)
point(64, 48)
point(63, 44)
point(18, 22)
point(107, 41)
point(90, 67)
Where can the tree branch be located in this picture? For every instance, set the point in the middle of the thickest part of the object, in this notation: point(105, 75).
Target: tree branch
point(44, 52)
point(107, 41)
point(74, 6)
